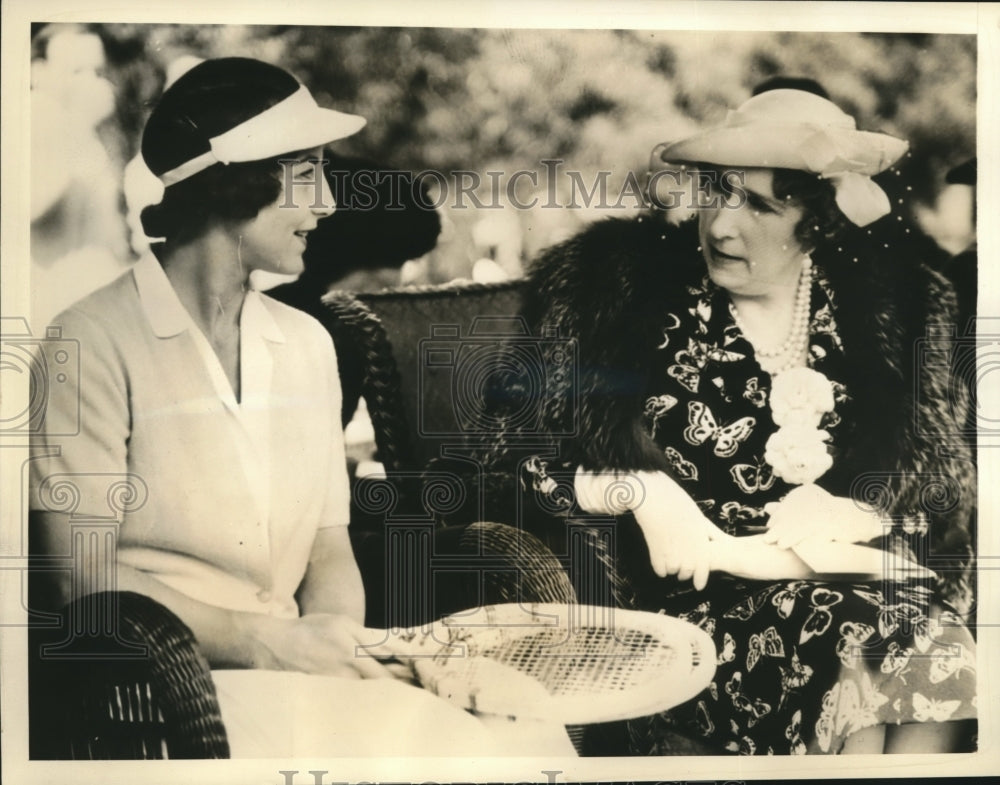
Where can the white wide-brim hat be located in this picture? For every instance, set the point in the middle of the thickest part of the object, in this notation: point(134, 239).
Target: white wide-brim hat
point(795, 129)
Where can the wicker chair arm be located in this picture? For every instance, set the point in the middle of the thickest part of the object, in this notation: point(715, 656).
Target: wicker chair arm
point(121, 678)
point(351, 323)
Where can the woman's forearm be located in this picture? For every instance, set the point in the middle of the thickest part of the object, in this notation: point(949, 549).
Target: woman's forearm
point(326, 641)
point(227, 638)
point(332, 583)
point(750, 557)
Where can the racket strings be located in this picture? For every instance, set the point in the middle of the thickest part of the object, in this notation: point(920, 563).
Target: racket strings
point(590, 660)
point(588, 667)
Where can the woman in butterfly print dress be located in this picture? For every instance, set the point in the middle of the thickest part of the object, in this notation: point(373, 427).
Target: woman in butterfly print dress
point(673, 385)
point(775, 637)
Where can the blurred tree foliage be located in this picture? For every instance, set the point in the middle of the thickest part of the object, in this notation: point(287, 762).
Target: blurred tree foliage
point(454, 99)
point(502, 99)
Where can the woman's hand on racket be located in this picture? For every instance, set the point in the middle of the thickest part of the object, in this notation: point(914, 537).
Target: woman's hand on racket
point(811, 512)
point(322, 643)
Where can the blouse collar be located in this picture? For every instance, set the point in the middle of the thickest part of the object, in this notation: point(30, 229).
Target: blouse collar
point(168, 317)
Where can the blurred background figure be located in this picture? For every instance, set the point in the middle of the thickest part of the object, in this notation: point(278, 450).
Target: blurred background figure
point(77, 232)
point(497, 237)
point(962, 269)
point(963, 272)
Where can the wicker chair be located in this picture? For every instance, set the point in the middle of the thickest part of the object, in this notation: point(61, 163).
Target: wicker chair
point(382, 342)
point(386, 336)
point(411, 400)
point(416, 375)
point(121, 677)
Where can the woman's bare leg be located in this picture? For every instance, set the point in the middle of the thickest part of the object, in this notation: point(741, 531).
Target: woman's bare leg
point(867, 741)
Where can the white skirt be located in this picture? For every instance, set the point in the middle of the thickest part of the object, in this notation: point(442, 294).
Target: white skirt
point(285, 714)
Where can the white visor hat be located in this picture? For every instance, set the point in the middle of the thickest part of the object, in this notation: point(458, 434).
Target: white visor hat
point(294, 123)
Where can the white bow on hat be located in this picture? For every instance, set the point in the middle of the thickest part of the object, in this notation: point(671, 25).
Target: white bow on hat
point(794, 129)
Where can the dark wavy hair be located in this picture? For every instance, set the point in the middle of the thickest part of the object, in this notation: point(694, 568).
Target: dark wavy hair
point(236, 192)
point(822, 221)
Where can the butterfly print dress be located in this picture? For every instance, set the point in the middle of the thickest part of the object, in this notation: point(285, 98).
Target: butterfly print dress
point(801, 664)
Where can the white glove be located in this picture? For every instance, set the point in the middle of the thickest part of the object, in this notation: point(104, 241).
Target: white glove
point(677, 533)
point(809, 512)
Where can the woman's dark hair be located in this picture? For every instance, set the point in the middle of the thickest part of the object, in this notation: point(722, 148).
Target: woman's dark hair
point(235, 192)
point(821, 219)
point(210, 99)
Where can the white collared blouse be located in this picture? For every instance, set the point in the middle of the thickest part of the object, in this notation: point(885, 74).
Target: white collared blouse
point(222, 499)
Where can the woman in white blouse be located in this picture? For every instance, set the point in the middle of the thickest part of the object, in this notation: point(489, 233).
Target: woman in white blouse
point(222, 406)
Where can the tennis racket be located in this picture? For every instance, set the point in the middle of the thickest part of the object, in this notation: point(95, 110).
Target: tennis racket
point(572, 664)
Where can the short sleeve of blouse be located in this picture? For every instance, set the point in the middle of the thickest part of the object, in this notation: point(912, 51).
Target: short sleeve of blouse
point(79, 443)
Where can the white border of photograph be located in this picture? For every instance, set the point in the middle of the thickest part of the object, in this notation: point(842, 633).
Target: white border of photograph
point(965, 18)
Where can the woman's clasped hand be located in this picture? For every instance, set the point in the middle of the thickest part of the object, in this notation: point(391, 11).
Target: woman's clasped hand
point(328, 644)
point(683, 541)
point(676, 531)
point(808, 512)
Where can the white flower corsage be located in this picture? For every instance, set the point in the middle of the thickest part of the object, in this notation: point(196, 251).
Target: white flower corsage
point(797, 451)
point(800, 397)
point(798, 454)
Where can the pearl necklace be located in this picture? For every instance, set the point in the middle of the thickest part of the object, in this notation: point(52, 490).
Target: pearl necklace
point(789, 354)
